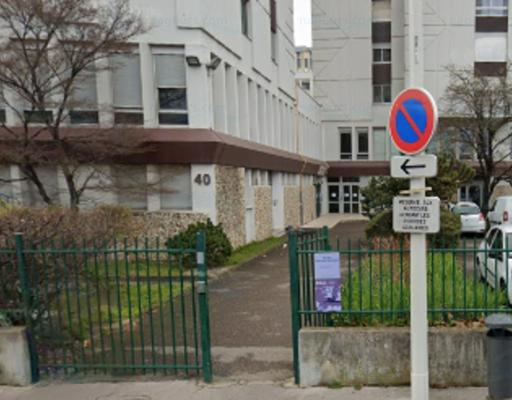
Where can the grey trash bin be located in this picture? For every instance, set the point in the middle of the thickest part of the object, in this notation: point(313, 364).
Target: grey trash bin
point(499, 356)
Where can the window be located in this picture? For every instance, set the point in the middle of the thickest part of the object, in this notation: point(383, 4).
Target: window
point(465, 148)
point(491, 47)
point(306, 63)
point(362, 143)
point(127, 89)
point(306, 85)
point(84, 100)
point(273, 29)
point(382, 54)
point(131, 186)
point(382, 93)
point(175, 187)
point(246, 17)
point(379, 144)
point(299, 61)
point(491, 8)
point(49, 178)
point(172, 91)
point(38, 117)
point(346, 143)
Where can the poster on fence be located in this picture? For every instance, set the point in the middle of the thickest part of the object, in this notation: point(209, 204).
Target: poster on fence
point(328, 282)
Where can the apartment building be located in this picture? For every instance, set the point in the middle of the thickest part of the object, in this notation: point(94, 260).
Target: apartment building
point(212, 87)
point(361, 64)
point(304, 75)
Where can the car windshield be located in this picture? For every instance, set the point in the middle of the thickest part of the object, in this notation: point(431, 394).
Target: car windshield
point(466, 210)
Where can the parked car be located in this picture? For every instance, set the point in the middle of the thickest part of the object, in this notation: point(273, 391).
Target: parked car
point(501, 211)
point(494, 260)
point(471, 217)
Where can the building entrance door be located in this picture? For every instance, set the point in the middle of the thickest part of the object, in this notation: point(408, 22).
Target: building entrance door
point(350, 197)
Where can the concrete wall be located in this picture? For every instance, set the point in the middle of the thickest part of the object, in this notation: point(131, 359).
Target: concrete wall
point(230, 202)
point(263, 212)
point(382, 356)
point(292, 206)
point(14, 357)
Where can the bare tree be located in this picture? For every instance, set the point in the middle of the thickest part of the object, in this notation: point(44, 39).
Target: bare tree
point(48, 49)
point(478, 108)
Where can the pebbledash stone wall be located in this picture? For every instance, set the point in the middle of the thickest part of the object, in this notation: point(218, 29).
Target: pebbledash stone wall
point(309, 203)
point(263, 212)
point(167, 224)
point(292, 206)
point(230, 202)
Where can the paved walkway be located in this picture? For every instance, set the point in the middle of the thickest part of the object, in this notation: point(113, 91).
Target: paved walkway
point(250, 315)
point(190, 391)
point(332, 220)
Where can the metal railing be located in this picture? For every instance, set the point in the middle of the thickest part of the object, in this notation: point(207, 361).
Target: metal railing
point(464, 284)
point(124, 307)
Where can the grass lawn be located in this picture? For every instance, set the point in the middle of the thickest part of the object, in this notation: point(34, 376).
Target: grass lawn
point(119, 290)
point(252, 250)
point(379, 293)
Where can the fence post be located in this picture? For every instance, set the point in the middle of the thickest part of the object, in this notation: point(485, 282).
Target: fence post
point(325, 234)
point(204, 311)
point(27, 306)
point(294, 291)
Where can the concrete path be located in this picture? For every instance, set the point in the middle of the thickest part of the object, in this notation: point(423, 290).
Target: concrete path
point(180, 390)
point(250, 315)
point(331, 220)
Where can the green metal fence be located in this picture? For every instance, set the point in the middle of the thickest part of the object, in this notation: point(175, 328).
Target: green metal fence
point(464, 284)
point(122, 307)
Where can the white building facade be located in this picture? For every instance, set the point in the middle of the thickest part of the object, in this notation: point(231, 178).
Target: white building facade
point(212, 85)
point(360, 53)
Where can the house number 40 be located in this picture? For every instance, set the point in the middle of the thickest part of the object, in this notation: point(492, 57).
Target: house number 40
point(204, 179)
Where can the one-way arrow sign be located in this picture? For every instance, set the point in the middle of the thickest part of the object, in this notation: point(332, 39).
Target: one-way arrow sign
point(414, 167)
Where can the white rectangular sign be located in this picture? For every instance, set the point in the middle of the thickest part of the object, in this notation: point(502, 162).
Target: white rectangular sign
point(416, 214)
point(328, 282)
point(414, 166)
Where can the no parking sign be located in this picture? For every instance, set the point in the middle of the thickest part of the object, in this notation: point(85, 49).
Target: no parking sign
point(413, 120)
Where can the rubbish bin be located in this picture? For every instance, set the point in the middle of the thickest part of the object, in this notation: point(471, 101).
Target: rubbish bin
point(499, 356)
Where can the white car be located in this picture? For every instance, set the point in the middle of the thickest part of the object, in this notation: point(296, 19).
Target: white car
point(471, 217)
point(494, 261)
point(501, 212)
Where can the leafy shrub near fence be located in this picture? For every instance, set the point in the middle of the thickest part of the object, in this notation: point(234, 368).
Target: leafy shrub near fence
point(218, 246)
point(57, 228)
point(378, 293)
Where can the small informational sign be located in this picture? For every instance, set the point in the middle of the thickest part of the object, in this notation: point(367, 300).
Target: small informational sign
point(414, 167)
point(328, 282)
point(416, 214)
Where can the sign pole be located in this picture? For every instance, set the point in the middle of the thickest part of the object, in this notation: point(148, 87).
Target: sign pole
point(419, 322)
point(418, 262)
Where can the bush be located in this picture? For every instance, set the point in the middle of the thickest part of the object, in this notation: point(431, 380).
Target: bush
point(56, 228)
point(448, 237)
point(218, 246)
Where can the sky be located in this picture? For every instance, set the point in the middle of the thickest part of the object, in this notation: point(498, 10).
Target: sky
point(302, 22)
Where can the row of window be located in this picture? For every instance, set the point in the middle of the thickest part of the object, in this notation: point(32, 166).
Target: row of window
point(363, 143)
point(129, 185)
point(169, 77)
point(492, 8)
point(247, 24)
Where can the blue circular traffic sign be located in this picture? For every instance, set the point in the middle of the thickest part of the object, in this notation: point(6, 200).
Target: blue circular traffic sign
point(413, 120)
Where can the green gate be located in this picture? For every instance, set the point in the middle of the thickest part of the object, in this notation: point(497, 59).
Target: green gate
point(129, 307)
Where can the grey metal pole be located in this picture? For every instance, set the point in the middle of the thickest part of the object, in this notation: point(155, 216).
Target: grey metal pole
point(418, 262)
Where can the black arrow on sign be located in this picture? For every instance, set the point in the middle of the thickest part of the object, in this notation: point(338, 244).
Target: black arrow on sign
point(406, 167)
